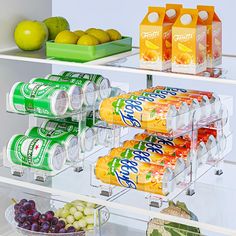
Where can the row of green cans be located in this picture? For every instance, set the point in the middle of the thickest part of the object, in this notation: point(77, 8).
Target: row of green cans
point(38, 99)
point(57, 94)
point(86, 134)
point(103, 85)
point(37, 153)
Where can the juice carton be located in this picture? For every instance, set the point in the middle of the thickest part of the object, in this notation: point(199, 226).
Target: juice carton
point(208, 17)
point(188, 43)
point(155, 40)
point(172, 12)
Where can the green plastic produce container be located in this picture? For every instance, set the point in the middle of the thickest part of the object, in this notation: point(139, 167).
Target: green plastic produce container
point(79, 53)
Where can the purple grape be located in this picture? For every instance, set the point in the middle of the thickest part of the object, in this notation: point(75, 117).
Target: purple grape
point(45, 225)
point(61, 231)
point(33, 205)
point(42, 218)
point(27, 206)
point(61, 224)
point(21, 210)
point(22, 217)
point(20, 225)
point(22, 201)
point(54, 221)
point(54, 229)
point(35, 227)
point(71, 229)
point(50, 215)
point(32, 211)
point(17, 206)
point(17, 219)
point(26, 225)
point(43, 230)
point(30, 218)
point(36, 215)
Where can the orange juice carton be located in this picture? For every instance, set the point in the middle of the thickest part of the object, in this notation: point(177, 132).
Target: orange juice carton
point(188, 43)
point(208, 17)
point(155, 39)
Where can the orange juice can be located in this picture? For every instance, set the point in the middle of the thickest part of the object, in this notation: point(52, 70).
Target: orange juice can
point(188, 43)
point(133, 174)
point(157, 148)
point(177, 164)
point(176, 142)
point(139, 113)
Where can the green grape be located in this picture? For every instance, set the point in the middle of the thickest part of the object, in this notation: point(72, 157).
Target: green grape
point(88, 211)
point(82, 223)
point(76, 225)
point(70, 219)
point(80, 208)
point(73, 210)
point(64, 213)
point(89, 219)
point(78, 215)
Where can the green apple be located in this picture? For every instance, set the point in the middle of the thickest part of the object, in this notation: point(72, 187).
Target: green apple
point(30, 35)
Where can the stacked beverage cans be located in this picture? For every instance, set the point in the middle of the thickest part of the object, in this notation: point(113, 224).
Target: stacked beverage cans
point(149, 162)
point(58, 139)
point(59, 95)
point(161, 109)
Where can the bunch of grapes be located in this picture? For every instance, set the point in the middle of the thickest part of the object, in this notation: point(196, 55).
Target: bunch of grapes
point(29, 218)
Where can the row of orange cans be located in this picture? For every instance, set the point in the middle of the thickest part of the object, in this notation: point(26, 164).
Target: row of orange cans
point(149, 163)
point(161, 109)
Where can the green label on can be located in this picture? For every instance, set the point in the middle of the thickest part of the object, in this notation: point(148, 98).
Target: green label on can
point(69, 127)
point(58, 135)
point(34, 98)
point(81, 82)
point(30, 152)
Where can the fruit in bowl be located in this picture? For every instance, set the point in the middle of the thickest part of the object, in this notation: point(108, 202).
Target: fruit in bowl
point(101, 35)
point(114, 34)
point(88, 40)
point(73, 218)
point(30, 35)
point(66, 37)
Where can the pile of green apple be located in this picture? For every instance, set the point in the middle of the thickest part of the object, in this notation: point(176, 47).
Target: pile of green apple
point(32, 35)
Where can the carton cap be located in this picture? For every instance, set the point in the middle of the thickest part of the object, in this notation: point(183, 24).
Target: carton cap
point(171, 13)
point(153, 17)
point(203, 15)
point(186, 19)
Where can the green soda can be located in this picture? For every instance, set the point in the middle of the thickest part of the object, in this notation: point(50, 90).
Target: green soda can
point(103, 84)
point(99, 128)
point(37, 153)
point(66, 126)
point(87, 138)
point(86, 135)
point(69, 140)
point(88, 87)
point(74, 91)
point(39, 99)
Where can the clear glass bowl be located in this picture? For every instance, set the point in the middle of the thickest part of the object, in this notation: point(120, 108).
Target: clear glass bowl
point(9, 215)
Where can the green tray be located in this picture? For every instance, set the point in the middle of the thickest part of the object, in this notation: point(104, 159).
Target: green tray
point(78, 53)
